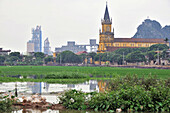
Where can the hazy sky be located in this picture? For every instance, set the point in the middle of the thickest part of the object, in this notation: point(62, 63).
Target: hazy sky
point(73, 20)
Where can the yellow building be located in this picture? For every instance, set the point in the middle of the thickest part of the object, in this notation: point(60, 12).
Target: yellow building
point(107, 41)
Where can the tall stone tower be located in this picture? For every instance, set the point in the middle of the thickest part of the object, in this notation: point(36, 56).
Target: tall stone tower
point(106, 35)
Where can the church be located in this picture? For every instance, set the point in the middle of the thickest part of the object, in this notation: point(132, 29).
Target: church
point(108, 42)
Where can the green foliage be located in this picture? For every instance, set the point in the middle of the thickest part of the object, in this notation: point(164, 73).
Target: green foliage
point(68, 57)
point(92, 55)
point(39, 55)
point(14, 58)
point(82, 56)
point(73, 100)
point(48, 59)
point(94, 71)
point(136, 56)
point(2, 59)
point(118, 58)
point(158, 46)
point(151, 55)
point(66, 75)
point(129, 93)
point(17, 54)
point(6, 103)
point(125, 50)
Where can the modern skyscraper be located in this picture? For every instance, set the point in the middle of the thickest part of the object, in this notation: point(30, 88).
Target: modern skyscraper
point(47, 48)
point(35, 44)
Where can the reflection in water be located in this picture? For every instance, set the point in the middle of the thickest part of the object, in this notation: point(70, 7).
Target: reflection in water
point(49, 90)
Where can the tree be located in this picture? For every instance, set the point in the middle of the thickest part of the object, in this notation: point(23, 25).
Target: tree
point(82, 56)
point(13, 58)
point(166, 40)
point(118, 58)
point(39, 55)
point(92, 55)
point(2, 59)
point(164, 54)
point(68, 57)
point(15, 54)
point(125, 50)
point(151, 55)
point(158, 46)
point(48, 59)
point(136, 56)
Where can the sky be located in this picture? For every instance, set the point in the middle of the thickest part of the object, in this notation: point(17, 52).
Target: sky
point(74, 20)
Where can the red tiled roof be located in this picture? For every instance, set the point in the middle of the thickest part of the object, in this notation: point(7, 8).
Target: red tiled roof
point(81, 52)
point(146, 40)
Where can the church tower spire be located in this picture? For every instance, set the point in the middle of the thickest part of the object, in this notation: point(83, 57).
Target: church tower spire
point(106, 35)
point(106, 14)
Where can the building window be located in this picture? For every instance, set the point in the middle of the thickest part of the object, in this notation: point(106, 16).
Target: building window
point(139, 45)
point(124, 45)
point(117, 45)
point(132, 45)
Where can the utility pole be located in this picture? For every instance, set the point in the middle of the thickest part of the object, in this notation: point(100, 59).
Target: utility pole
point(158, 56)
point(60, 59)
point(123, 58)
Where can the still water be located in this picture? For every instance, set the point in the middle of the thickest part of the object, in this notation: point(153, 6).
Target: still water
point(50, 91)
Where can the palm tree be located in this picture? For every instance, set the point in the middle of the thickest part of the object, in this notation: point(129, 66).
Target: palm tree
point(166, 40)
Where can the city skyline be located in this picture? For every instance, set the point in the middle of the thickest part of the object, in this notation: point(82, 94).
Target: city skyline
point(73, 20)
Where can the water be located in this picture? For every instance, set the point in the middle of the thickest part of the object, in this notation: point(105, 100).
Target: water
point(47, 90)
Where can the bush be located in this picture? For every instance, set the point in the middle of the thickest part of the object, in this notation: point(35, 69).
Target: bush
point(129, 93)
point(73, 100)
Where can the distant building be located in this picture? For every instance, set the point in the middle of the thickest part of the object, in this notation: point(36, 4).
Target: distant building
point(35, 44)
point(71, 46)
point(81, 52)
point(108, 42)
point(4, 52)
point(30, 47)
point(47, 48)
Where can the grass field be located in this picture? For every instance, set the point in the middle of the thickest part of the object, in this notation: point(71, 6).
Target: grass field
point(95, 71)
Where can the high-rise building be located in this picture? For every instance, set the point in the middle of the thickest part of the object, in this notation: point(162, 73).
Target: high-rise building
point(47, 48)
point(35, 44)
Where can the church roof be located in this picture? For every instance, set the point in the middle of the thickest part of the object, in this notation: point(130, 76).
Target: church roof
point(106, 14)
point(139, 40)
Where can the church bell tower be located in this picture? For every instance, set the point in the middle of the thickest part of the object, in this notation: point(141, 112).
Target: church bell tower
point(106, 34)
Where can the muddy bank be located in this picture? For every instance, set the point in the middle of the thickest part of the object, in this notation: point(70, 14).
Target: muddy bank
point(42, 106)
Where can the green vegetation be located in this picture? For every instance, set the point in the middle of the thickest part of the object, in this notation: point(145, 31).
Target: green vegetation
point(6, 103)
point(131, 55)
point(60, 81)
point(74, 70)
point(128, 93)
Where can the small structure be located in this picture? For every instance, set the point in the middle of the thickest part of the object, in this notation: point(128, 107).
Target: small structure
point(4, 52)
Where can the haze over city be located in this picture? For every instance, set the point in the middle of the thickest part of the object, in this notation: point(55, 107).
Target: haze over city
point(73, 20)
